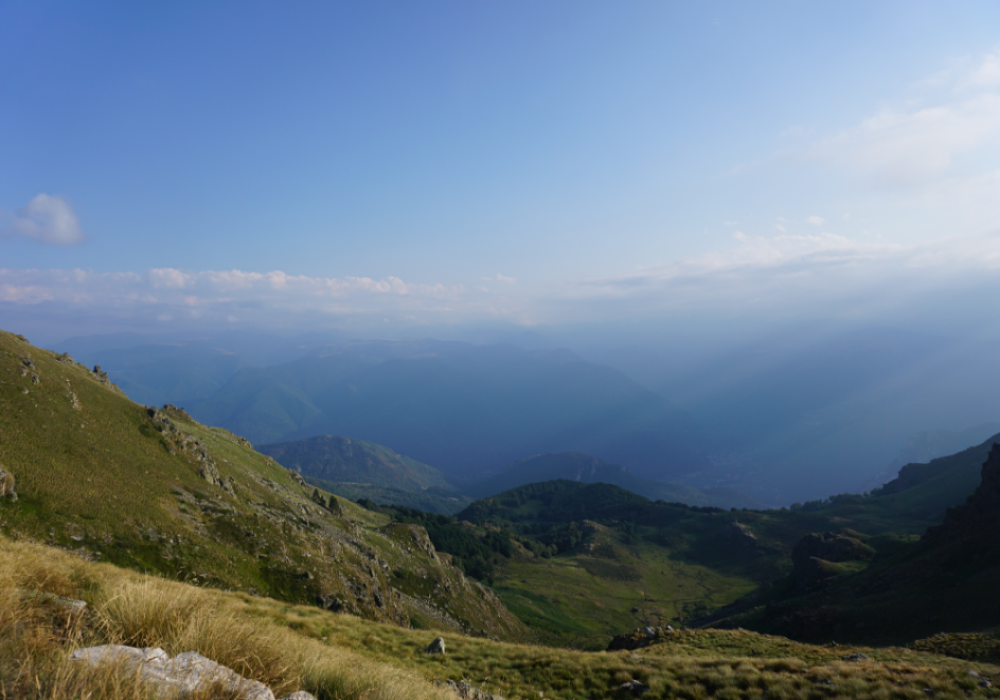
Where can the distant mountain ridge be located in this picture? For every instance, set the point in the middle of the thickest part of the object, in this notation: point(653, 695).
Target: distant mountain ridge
point(928, 490)
point(342, 459)
point(585, 468)
point(461, 408)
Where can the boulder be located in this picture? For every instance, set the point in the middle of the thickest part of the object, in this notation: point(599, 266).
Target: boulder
point(436, 647)
point(178, 677)
point(637, 688)
point(7, 484)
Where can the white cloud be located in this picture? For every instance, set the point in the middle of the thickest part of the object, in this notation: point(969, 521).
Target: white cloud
point(47, 219)
point(731, 223)
point(908, 145)
point(988, 72)
point(222, 296)
point(816, 275)
point(815, 220)
point(779, 228)
point(500, 278)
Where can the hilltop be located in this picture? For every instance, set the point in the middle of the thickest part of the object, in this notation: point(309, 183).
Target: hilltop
point(588, 469)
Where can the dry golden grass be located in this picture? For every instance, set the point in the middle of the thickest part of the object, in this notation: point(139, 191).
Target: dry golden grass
point(338, 656)
point(130, 608)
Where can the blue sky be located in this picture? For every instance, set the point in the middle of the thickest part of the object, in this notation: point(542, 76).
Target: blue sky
point(463, 162)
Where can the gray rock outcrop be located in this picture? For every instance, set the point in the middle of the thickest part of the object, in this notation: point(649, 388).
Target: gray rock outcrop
point(181, 676)
point(436, 647)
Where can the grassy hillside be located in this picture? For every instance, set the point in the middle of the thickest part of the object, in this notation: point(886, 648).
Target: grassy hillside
point(156, 491)
point(291, 647)
point(595, 557)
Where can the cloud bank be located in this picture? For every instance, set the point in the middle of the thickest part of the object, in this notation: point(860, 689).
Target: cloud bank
point(47, 219)
point(819, 275)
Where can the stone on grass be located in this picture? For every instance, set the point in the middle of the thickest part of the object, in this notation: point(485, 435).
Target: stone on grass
point(177, 677)
point(436, 647)
point(637, 688)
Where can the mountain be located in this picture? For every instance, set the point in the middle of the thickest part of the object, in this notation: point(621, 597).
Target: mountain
point(341, 459)
point(928, 445)
point(85, 468)
point(159, 369)
point(584, 468)
point(813, 408)
point(928, 490)
point(942, 584)
point(461, 408)
point(357, 470)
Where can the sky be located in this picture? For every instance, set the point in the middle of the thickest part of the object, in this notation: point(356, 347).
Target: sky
point(337, 165)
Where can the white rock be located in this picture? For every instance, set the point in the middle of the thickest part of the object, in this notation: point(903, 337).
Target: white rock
point(178, 677)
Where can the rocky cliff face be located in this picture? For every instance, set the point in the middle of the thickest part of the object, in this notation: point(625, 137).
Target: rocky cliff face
point(978, 519)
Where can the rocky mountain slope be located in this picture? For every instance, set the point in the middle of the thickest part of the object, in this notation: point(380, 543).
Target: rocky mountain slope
point(85, 468)
point(945, 582)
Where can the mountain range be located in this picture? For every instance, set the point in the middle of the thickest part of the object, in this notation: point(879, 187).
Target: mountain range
point(466, 410)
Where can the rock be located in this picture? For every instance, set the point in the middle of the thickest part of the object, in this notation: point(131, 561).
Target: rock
point(327, 501)
point(650, 632)
point(177, 677)
point(738, 532)
point(467, 691)
point(436, 647)
point(855, 657)
point(637, 688)
point(7, 484)
point(300, 695)
point(329, 602)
